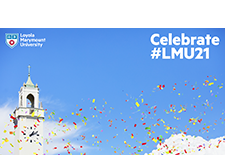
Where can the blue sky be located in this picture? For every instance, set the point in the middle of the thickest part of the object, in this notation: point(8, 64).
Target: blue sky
point(75, 66)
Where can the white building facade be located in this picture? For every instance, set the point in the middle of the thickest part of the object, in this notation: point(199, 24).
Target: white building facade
point(28, 122)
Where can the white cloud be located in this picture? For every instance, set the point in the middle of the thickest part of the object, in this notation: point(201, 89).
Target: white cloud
point(68, 133)
point(181, 144)
point(63, 136)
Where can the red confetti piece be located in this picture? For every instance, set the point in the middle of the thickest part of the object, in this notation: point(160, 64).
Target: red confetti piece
point(135, 125)
point(12, 117)
point(199, 120)
point(160, 87)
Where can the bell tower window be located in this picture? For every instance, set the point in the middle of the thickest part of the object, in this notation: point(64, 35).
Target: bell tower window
point(30, 101)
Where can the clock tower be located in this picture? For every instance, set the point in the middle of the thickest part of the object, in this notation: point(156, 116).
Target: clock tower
point(28, 122)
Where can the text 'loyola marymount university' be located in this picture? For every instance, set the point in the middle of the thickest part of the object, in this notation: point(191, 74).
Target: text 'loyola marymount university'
point(29, 40)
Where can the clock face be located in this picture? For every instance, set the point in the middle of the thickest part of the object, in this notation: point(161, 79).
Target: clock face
point(31, 134)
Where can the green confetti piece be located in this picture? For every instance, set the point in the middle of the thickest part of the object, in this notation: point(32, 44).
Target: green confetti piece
point(85, 118)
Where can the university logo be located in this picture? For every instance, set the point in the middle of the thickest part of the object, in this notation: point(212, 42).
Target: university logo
point(11, 39)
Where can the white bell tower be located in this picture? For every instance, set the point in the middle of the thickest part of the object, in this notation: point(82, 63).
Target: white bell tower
point(28, 122)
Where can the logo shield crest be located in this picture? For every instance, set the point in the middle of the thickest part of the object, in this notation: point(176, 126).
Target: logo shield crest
point(11, 39)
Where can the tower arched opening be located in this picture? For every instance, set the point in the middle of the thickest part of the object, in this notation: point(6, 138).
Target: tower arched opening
point(30, 101)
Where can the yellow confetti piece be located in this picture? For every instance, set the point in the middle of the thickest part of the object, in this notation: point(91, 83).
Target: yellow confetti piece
point(142, 100)
point(210, 83)
point(20, 148)
point(137, 104)
point(5, 131)
point(32, 115)
point(93, 101)
point(162, 120)
point(11, 145)
point(72, 113)
point(9, 151)
point(154, 140)
point(125, 142)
